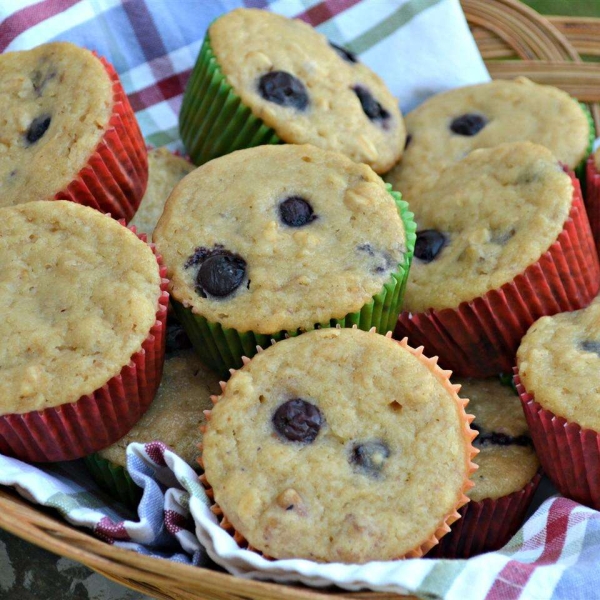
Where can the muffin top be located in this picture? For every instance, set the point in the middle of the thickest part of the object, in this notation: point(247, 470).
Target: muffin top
point(507, 460)
point(307, 90)
point(559, 363)
point(338, 445)
point(491, 215)
point(279, 237)
point(78, 296)
point(55, 104)
point(176, 414)
point(448, 126)
point(165, 171)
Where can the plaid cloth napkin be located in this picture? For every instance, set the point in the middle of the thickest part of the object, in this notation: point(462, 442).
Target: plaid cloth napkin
point(419, 47)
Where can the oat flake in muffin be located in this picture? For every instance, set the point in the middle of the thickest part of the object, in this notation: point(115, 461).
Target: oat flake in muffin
point(279, 238)
point(55, 104)
point(78, 296)
point(308, 91)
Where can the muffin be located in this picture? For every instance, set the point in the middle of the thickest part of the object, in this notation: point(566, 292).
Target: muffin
point(165, 171)
point(558, 378)
point(276, 240)
point(173, 418)
point(359, 449)
point(82, 333)
point(261, 78)
point(503, 240)
point(507, 476)
point(592, 195)
point(445, 128)
point(68, 131)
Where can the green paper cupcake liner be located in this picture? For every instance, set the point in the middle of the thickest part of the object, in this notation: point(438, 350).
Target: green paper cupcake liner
point(213, 121)
point(580, 169)
point(222, 348)
point(114, 479)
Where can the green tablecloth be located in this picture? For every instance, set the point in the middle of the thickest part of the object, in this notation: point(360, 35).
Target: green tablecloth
point(578, 8)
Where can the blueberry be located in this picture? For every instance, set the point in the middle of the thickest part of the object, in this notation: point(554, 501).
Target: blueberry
point(370, 106)
point(284, 89)
point(591, 346)
point(298, 421)
point(296, 212)
point(369, 456)
point(221, 274)
point(38, 128)
point(429, 244)
point(496, 438)
point(468, 124)
point(344, 54)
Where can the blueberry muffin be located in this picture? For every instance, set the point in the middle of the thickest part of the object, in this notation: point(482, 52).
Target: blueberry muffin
point(507, 476)
point(559, 381)
point(445, 128)
point(359, 449)
point(165, 171)
point(279, 239)
point(79, 295)
point(262, 78)
point(482, 273)
point(68, 131)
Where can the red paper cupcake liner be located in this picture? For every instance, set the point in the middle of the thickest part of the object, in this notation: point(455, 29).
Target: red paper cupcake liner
point(95, 421)
point(592, 199)
point(115, 176)
point(487, 525)
point(570, 455)
point(480, 338)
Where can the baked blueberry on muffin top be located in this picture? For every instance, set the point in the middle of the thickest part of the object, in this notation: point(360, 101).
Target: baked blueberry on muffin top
point(306, 89)
point(446, 127)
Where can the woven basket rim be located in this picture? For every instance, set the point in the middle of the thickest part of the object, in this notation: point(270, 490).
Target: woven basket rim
point(514, 40)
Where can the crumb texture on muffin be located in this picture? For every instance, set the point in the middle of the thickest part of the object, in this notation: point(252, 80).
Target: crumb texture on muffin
point(176, 414)
point(279, 238)
point(507, 461)
point(489, 217)
point(298, 84)
point(448, 126)
point(78, 294)
point(165, 171)
point(559, 363)
point(337, 445)
point(55, 105)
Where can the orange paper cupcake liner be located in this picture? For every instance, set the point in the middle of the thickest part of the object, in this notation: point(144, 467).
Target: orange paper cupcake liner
point(97, 420)
point(115, 176)
point(570, 455)
point(592, 199)
point(487, 525)
point(443, 528)
point(480, 338)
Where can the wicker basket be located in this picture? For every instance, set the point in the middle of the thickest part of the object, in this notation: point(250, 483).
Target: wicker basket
point(514, 40)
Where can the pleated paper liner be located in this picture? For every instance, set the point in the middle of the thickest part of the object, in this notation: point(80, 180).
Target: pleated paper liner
point(592, 199)
point(480, 338)
point(222, 348)
point(444, 527)
point(487, 525)
point(213, 121)
point(569, 454)
point(580, 169)
point(114, 479)
point(115, 176)
point(97, 420)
